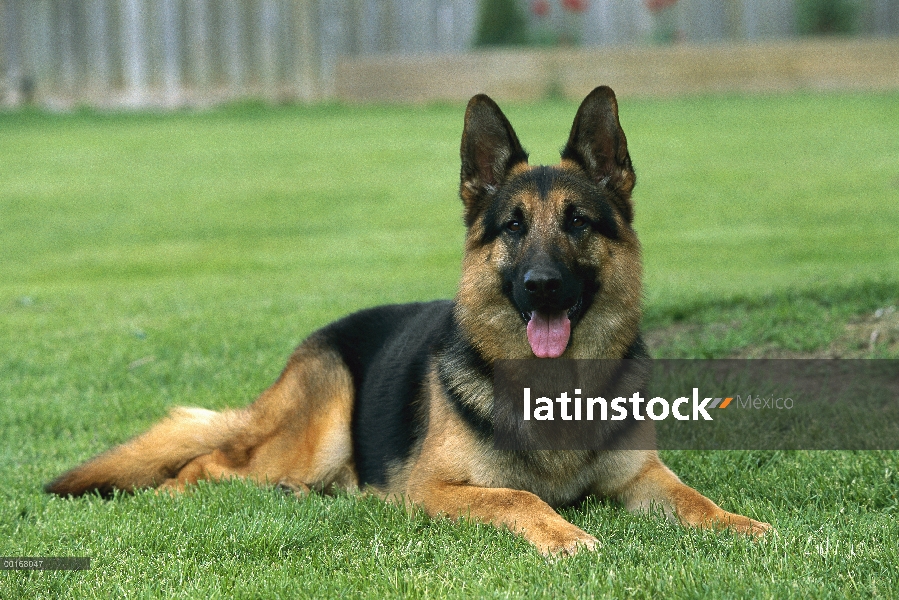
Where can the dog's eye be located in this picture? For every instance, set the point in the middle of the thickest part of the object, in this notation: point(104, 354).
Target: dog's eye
point(578, 222)
point(514, 225)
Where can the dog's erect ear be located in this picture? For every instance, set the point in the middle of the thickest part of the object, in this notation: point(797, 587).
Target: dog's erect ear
point(598, 145)
point(490, 149)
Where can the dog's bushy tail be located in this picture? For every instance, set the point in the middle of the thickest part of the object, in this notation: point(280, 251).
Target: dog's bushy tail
point(152, 457)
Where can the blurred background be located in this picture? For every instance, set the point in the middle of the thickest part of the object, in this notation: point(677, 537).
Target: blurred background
point(172, 53)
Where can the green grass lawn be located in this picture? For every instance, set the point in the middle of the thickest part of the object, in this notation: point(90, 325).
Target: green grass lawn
point(148, 261)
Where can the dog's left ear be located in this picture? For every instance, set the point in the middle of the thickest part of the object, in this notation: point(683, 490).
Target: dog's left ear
point(490, 149)
point(598, 145)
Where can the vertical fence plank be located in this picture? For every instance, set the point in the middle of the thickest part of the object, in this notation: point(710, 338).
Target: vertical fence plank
point(307, 49)
point(369, 33)
point(750, 20)
point(332, 31)
point(98, 73)
point(5, 28)
point(171, 51)
point(390, 23)
point(445, 26)
point(600, 29)
point(733, 20)
point(198, 42)
point(267, 36)
point(415, 31)
point(704, 20)
point(10, 55)
point(134, 51)
point(234, 46)
point(38, 57)
point(67, 51)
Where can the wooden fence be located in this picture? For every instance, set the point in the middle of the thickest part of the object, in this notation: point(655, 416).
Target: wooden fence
point(169, 53)
point(165, 52)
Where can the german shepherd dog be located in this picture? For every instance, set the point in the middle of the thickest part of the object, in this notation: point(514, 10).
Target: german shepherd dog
point(396, 400)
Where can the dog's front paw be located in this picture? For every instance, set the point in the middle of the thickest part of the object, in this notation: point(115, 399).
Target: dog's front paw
point(561, 539)
point(745, 525)
point(757, 529)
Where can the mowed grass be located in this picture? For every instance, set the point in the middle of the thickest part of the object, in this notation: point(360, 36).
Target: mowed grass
point(150, 261)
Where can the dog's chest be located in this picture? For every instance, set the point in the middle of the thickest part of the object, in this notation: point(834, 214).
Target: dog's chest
point(558, 477)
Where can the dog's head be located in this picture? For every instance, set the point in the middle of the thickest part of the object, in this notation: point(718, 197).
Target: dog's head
point(552, 264)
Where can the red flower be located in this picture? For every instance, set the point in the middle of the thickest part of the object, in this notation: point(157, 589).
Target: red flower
point(655, 6)
point(540, 7)
point(575, 6)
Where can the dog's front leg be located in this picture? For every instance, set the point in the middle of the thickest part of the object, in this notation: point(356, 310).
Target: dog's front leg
point(521, 512)
point(656, 486)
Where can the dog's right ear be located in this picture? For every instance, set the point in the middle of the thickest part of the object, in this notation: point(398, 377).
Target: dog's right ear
point(490, 149)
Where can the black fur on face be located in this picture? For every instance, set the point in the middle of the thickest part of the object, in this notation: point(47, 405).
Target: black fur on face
point(544, 217)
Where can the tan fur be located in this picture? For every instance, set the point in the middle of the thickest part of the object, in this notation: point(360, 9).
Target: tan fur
point(657, 487)
point(458, 476)
point(297, 434)
point(152, 457)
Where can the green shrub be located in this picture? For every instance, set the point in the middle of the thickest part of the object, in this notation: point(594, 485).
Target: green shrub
point(815, 17)
point(501, 23)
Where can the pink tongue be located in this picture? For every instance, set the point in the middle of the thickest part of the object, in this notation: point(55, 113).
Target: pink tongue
point(548, 334)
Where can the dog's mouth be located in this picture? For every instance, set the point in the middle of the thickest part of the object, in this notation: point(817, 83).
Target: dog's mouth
point(550, 332)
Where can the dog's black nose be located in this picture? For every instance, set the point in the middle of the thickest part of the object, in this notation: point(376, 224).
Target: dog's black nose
point(543, 283)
